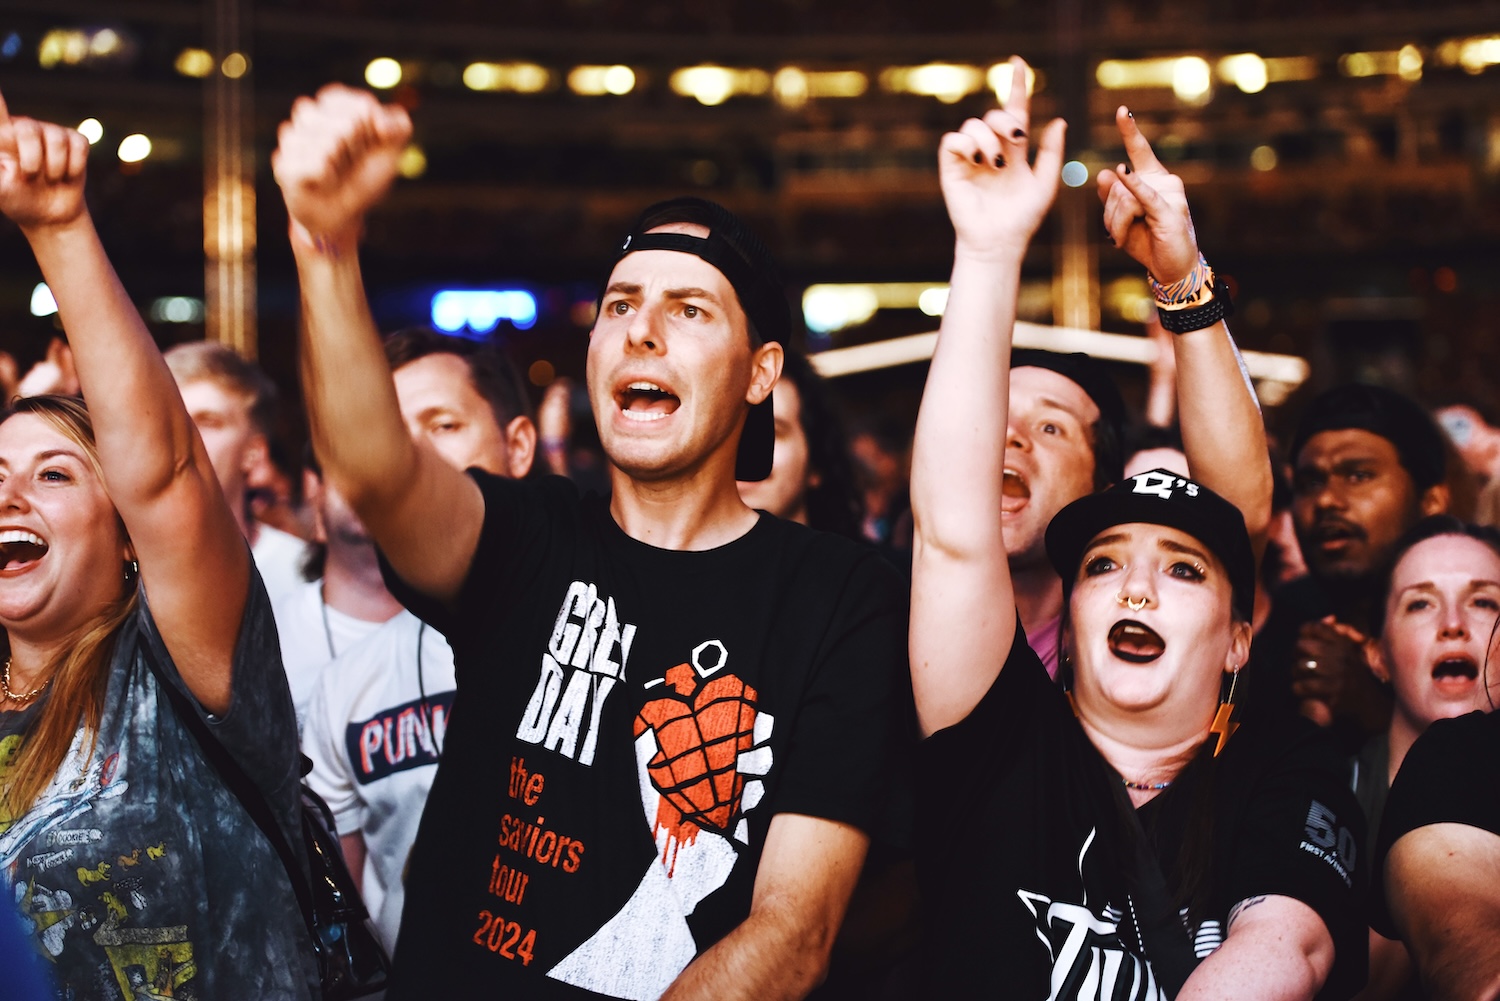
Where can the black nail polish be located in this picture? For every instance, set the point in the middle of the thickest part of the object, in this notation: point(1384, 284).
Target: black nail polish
point(1018, 134)
point(978, 157)
point(1129, 169)
point(1129, 113)
point(999, 160)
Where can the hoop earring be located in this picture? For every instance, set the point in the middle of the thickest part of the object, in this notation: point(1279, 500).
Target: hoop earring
point(1224, 724)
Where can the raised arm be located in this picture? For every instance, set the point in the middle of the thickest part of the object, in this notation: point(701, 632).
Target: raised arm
point(963, 612)
point(1146, 213)
point(194, 564)
point(336, 157)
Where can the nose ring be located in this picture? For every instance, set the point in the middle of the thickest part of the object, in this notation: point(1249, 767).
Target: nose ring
point(1131, 603)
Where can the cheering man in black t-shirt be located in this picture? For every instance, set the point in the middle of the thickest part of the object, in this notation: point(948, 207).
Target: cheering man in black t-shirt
point(673, 712)
point(1117, 852)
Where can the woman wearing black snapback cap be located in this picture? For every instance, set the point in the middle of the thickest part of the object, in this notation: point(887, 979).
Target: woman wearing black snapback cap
point(1108, 838)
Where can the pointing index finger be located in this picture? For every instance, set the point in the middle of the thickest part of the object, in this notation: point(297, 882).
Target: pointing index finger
point(1019, 102)
point(1142, 157)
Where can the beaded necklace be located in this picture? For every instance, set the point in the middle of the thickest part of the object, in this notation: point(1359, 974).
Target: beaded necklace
point(1146, 786)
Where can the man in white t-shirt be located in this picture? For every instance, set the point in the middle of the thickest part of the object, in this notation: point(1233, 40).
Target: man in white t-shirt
point(374, 731)
point(344, 601)
point(233, 405)
point(377, 714)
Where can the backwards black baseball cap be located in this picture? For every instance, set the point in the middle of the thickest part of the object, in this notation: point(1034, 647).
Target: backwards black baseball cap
point(1160, 497)
point(1384, 412)
point(741, 258)
point(1088, 372)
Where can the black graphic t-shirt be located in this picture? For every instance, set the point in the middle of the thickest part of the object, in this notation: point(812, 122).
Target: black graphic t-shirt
point(1022, 881)
point(137, 873)
point(628, 720)
point(1451, 775)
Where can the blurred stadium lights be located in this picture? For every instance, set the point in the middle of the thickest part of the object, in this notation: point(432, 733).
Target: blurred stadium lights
point(80, 46)
point(827, 308)
point(177, 309)
point(194, 62)
point(596, 81)
point(520, 78)
point(235, 65)
point(712, 85)
point(1405, 62)
point(64, 46)
point(794, 86)
point(134, 148)
point(1247, 71)
point(481, 310)
point(1474, 54)
point(383, 73)
point(412, 163)
point(948, 82)
point(1190, 79)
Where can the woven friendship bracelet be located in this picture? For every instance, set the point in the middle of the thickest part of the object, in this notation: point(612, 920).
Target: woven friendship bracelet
point(1186, 291)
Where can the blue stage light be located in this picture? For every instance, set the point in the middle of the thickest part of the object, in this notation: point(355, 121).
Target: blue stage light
point(481, 310)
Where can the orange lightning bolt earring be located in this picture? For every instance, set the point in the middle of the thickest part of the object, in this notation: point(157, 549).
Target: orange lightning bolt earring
point(1224, 724)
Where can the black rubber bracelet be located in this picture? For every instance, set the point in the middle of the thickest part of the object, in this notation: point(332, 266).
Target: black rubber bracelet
point(1182, 321)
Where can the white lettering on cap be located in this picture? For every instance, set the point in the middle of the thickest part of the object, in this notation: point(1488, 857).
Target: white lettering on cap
point(1162, 484)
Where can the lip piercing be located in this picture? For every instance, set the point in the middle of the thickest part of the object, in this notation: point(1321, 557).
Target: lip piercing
point(1131, 603)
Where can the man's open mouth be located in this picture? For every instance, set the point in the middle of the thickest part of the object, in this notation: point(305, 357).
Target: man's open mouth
point(1135, 643)
point(20, 548)
point(647, 401)
point(1014, 491)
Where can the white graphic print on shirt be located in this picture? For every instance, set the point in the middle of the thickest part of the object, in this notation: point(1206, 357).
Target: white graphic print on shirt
point(1088, 958)
point(578, 673)
point(700, 750)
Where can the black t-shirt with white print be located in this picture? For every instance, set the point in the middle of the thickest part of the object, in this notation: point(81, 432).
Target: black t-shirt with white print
point(1022, 884)
point(628, 721)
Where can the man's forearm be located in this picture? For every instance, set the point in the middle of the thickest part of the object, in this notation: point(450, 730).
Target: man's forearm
point(767, 958)
point(353, 413)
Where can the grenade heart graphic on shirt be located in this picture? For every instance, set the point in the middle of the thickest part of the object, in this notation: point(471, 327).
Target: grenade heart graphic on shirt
point(706, 737)
point(702, 747)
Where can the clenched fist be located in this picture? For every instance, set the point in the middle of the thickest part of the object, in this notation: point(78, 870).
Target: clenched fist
point(41, 171)
point(336, 158)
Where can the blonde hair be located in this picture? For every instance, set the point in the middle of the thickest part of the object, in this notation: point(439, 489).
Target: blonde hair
point(81, 675)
